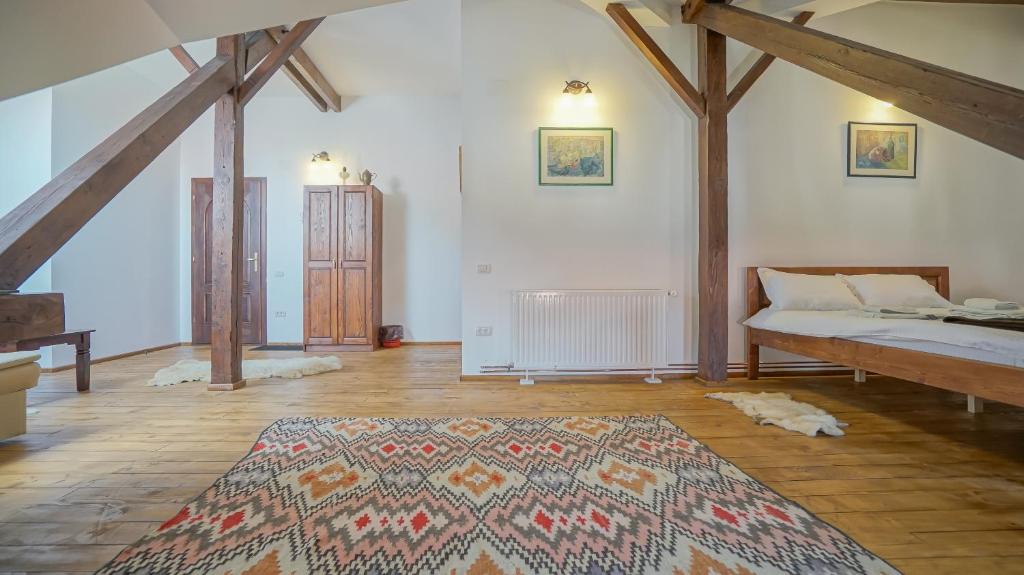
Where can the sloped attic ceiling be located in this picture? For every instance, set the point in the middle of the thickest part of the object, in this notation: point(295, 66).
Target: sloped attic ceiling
point(46, 42)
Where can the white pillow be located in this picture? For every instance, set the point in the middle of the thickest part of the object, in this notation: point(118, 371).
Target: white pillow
point(894, 290)
point(806, 292)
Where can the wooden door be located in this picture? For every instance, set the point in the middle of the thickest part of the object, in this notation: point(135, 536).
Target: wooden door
point(320, 309)
point(254, 278)
point(355, 321)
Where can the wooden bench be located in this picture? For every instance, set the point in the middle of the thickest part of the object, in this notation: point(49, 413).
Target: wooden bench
point(79, 339)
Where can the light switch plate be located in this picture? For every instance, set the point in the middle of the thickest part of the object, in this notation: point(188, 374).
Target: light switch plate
point(484, 330)
point(483, 268)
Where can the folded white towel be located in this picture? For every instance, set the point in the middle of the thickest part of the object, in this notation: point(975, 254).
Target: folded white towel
point(990, 304)
point(890, 309)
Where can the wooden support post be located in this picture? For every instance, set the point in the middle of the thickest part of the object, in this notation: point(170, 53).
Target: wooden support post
point(228, 195)
point(713, 242)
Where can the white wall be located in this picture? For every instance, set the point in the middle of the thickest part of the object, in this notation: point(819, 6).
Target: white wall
point(119, 273)
point(411, 141)
point(25, 166)
point(791, 203)
point(640, 233)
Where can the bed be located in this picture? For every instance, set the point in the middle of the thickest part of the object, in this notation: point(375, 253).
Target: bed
point(984, 364)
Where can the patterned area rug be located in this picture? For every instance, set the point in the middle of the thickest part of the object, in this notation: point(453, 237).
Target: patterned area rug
point(480, 496)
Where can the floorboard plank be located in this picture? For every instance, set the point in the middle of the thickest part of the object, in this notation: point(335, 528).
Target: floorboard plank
point(916, 479)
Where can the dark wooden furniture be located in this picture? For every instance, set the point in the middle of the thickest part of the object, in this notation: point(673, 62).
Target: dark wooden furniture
point(254, 271)
point(80, 339)
point(342, 267)
point(25, 315)
point(974, 378)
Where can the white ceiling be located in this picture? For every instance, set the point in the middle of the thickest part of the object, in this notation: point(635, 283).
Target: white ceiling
point(46, 42)
point(409, 47)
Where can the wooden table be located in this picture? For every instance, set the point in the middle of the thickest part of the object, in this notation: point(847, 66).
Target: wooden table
point(79, 339)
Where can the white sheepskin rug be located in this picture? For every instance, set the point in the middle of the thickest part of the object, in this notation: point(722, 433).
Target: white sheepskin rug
point(290, 368)
point(780, 409)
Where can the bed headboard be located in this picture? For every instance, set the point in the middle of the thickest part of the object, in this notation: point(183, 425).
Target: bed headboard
point(757, 300)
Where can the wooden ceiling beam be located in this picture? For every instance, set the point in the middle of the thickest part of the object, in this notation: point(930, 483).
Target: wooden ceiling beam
point(33, 231)
point(657, 57)
point(184, 58)
point(313, 76)
point(300, 81)
point(257, 46)
point(276, 58)
point(759, 68)
point(990, 113)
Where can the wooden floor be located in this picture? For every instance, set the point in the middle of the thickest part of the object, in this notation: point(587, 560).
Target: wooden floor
point(917, 480)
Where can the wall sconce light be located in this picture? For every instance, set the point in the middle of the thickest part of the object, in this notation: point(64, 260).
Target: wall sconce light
point(321, 157)
point(575, 87)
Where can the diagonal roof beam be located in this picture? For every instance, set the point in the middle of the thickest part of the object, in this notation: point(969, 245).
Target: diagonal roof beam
point(759, 68)
point(184, 58)
point(990, 113)
point(276, 58)
point(305, 64)
point(33, 231)
point(300, 81)
point(657, 57)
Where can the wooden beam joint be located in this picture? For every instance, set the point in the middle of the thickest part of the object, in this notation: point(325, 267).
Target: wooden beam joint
point(657, 57)
point(278, 55)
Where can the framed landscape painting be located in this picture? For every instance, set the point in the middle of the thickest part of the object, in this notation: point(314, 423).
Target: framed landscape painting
point(882, 150)
point(576, 157)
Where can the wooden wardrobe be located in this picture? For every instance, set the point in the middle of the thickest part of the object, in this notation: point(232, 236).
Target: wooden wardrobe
point(342, 267)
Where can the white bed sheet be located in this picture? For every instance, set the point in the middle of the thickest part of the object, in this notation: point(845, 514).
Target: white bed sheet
point(957, 340)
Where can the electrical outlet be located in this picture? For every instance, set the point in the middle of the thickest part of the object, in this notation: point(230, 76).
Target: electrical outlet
point(280, 314)
point(483, 268)
point(484, 330)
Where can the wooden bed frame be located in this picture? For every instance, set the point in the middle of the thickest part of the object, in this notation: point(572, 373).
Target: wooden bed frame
point(974, 378)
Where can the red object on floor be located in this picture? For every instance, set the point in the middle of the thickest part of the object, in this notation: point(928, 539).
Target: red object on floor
point(391, 343)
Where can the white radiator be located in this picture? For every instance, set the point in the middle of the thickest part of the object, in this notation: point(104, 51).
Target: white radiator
point(588, 329)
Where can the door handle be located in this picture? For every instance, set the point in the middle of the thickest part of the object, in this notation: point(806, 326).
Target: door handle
point(255, 259)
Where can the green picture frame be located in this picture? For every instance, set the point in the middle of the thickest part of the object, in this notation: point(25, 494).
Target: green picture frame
point(575, 156)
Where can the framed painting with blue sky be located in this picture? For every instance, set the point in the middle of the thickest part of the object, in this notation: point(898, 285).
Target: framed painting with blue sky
point(882, 150)
point(576, 157)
